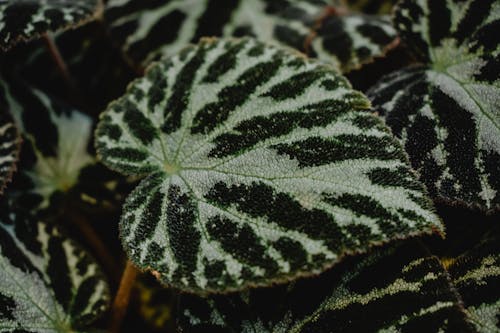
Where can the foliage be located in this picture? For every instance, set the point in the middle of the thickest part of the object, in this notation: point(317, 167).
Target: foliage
point(256, 187)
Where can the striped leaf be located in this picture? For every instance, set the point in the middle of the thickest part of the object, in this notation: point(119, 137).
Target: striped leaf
point(395, 289)
point(9, 148)
point(261, 166)
point(48, 283)
point(26, 19)
point(56, 139)
point(445, 111)
point(149, 29)
point(476, 275)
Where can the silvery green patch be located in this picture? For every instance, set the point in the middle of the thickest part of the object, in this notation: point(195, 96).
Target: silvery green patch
point(48, 283)
point(320, 28)
point(56, 138)
point(396, 289)
point(259, 166)
point(9, 148)
point(26, 19)
point(445, 110)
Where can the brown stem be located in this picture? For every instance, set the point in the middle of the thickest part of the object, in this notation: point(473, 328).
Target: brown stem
point(122, 297)
point(62, 67)
point(58, 59)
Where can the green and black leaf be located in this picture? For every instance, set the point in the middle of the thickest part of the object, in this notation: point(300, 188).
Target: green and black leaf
point(26, 19)
point(48, 283)
point(323, 29)
point(9, 148)
point(395, 289)
point(445, 111)
point(261, 166)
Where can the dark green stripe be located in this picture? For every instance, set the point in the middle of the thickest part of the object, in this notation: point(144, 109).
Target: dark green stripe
point(316, 151)
point(229, 98)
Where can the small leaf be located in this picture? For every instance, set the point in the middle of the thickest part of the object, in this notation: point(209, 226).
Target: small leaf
point(394, 289)
point(262, 166)
point(48, 283)
point(476, 275)
point(26, 19)
point(9, 148)
point(55, 144)
point(445, 111)
point(323, 29)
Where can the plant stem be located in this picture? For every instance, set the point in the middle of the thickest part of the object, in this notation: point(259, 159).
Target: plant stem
point(58, 59)
point(122, 297)
point(62, 67)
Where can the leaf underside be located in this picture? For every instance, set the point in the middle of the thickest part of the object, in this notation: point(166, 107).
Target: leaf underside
point(445, 111)
point(56, 138)
point(261, 166)
point(27, 19)
point(48, 283)
point(394, 289)
point(9, 148)
point(318, 28)
point(476, 275)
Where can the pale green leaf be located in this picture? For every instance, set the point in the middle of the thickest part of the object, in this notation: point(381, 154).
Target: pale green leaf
point(48, 283)
point(445, 111)
point(262, 166)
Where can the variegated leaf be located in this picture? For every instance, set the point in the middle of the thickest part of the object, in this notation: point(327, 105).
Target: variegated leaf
point(48, 283)
point(395, 289)
point(56, 139)
point(476, 275)
point(148, 29)
point(27, 19)
point(9, 148)
point(261, 166)
point(446, 111)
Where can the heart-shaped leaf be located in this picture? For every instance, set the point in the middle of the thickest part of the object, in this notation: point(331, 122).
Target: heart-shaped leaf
point(55, 144)
point(396, 289)
point(323, 29)
point(446, 110)
point(9, 148)
point(261, 166)
point(48, 283)
point(476, 275)
point(27, 19)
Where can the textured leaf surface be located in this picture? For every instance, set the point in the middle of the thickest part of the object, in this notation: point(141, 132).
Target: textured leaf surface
point(148, 29)
point(48, 283)
point(476, 275)
point(397, 289)
point(446, 111)
point(55, 144)
point(26, 19)
point(262, 166)
point(9, 148)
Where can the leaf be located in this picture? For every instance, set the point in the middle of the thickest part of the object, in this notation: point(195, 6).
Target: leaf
point(394, 289)
point(445, 111)
point(55, 145)
point(476, 275)
point(48, 283)
point(27, 19)
point(9, 148)
point(262, 166)
point(318, 28)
